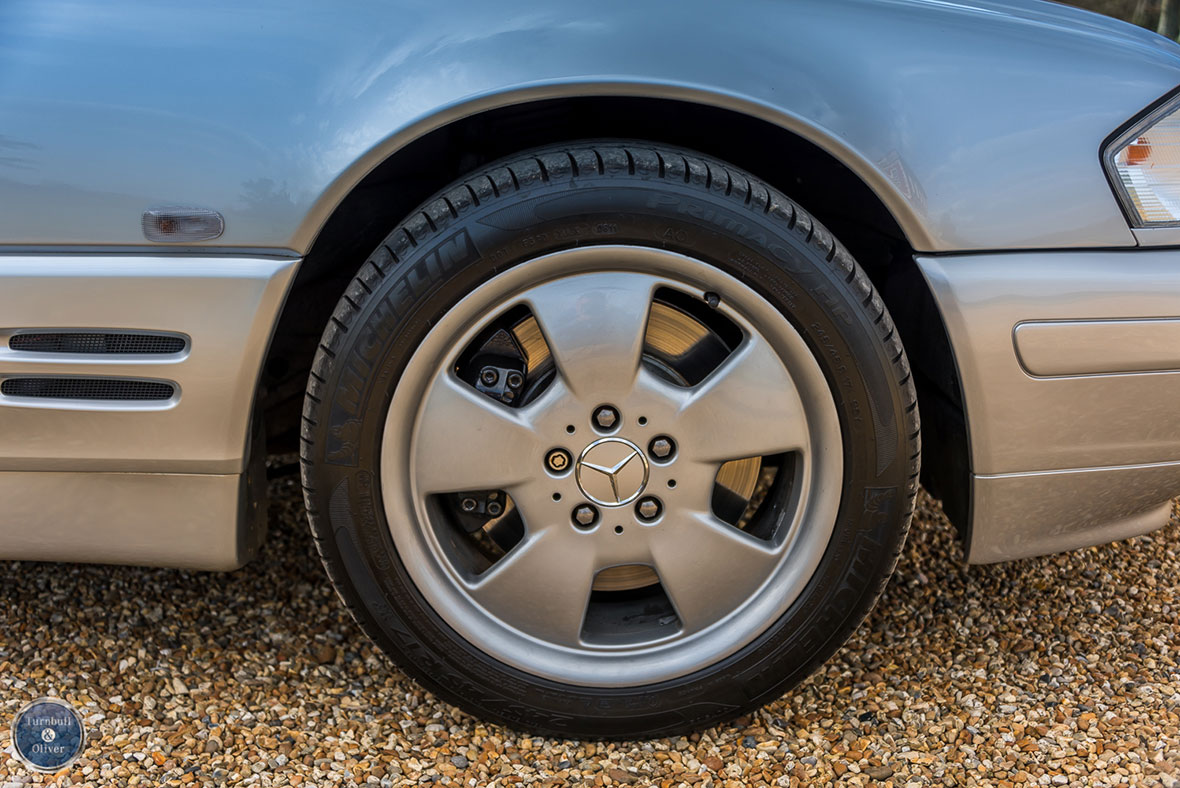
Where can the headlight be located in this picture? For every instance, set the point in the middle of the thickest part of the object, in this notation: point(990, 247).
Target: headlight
point(1144, 165)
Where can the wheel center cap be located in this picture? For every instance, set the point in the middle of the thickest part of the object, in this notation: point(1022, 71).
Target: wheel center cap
point(611, 471)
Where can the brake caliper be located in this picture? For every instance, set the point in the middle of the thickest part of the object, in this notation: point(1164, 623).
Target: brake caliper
point(498, 368)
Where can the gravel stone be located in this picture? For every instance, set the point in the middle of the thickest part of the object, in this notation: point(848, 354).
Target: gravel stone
point(1049, 671)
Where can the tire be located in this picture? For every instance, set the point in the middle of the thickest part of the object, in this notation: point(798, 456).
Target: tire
point(719, 250)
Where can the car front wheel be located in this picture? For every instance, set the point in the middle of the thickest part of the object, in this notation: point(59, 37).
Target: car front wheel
point(608, 440)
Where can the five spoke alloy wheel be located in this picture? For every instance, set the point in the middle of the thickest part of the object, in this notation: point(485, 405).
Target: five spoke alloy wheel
point(609, 440)
point(534, 605)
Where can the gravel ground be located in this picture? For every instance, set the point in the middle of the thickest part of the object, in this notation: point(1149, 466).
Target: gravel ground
point(1054, 671)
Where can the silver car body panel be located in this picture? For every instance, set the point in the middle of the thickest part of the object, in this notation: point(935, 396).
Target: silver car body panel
point(1017, 515)
point(1085, 452)
point(977, 124)
point(226, 305)
point(1021, 423)
point(140, 482)
point(189, 521)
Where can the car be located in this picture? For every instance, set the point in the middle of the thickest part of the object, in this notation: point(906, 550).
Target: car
point(602, 330)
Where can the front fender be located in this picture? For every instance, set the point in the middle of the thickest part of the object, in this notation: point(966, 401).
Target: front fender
point(978, 125)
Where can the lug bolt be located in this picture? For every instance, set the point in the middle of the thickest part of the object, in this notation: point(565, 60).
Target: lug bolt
point(585, 515)
point(662, 447)
point(648, 509)
point(489, 376)
point(495, 509)
point(558, 460)
point(605, 417)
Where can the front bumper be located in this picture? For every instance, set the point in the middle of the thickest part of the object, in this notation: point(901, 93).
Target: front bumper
point(1070, 370)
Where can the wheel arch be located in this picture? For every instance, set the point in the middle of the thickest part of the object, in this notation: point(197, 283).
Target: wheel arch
point(852, 198)
point(886, 181)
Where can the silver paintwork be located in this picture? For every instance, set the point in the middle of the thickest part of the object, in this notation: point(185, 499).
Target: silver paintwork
point(227, 306)
point(190, 521)
point(1066, 348)
point(592, 306)
point(1062, 462)
point(977, 123)
point(1020, 423)
point(1025, 514)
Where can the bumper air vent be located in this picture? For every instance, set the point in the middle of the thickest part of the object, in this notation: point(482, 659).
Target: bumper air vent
point(87, 388)
point(95, 342)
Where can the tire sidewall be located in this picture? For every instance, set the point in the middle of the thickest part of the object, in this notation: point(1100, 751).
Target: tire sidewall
point(431, 263)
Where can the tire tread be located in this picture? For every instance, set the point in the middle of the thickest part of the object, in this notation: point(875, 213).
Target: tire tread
point(540, 169)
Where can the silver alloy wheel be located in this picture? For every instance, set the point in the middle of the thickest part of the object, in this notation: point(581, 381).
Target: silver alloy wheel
point(767, 397)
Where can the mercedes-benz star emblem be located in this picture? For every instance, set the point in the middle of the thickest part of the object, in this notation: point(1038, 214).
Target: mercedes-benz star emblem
point(612, 472)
